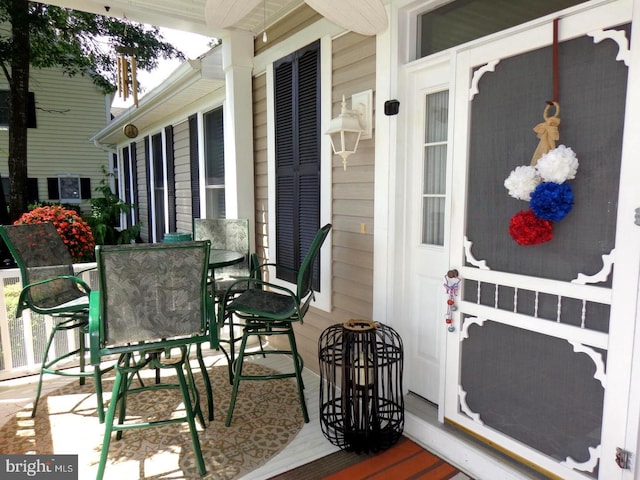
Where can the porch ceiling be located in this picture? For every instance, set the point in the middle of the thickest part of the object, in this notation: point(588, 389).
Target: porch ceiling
point(186, 15)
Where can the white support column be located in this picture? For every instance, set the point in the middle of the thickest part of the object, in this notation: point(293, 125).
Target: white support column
point(237, 63)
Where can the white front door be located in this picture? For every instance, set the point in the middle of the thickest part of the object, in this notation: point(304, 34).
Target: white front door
point(426, 223)
point(528, 367)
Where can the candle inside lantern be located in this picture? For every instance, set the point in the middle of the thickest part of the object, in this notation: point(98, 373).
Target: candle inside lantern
point(363, 375)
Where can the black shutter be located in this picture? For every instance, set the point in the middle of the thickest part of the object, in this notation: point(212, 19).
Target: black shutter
point(134, 179)
point(195, 166)
point(52, 188)
point(31, 111)
point(126, 184)
point(297, 124)
point(32, 190)
point(147, 163)
point(85, 188)
point(171, 177)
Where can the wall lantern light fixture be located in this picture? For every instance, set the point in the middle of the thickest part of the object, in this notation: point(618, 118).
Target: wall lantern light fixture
point(350, 126)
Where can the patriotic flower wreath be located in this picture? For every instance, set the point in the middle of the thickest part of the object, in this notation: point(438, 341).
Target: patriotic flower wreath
point(544, 187)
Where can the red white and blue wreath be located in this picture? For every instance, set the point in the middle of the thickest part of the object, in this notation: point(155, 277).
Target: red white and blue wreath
point(543, 184)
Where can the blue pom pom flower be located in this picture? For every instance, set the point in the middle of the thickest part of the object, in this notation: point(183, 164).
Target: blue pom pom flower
point(552, 201)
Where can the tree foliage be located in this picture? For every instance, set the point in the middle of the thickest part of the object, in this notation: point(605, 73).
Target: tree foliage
point(37, 35)
point(81, 43)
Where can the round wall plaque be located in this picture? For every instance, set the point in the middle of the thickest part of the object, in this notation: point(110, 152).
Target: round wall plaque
point(130, 130)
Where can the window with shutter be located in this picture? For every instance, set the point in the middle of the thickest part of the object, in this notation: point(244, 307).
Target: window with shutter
point(214, 163)
point(297, 152)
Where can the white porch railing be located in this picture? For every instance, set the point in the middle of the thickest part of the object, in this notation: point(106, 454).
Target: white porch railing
point(22, 340)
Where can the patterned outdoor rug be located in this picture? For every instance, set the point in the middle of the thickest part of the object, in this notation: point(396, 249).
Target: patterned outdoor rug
point(266, 418)
point(405, 460)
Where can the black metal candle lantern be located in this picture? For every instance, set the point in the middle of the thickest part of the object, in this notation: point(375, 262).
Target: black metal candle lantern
point(361, 402)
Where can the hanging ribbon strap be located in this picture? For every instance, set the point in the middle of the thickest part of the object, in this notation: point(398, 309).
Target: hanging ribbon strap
point(556, 76)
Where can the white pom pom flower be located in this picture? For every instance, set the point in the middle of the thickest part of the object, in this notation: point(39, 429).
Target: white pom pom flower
point(558, 165)
point(522, 182)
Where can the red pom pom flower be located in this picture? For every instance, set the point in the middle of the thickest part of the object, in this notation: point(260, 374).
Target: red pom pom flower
point(527, 229)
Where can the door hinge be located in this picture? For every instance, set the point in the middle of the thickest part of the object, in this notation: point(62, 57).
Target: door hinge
point(623, 458)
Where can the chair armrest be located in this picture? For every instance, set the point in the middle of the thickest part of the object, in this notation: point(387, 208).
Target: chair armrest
point(78, 280)
point(88, 269)
point(22, 300)
point(256, 268)
point(94, 328)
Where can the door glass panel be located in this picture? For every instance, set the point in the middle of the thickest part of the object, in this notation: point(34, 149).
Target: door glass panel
point(462, 21)
point(435, 167)
point(433, 216)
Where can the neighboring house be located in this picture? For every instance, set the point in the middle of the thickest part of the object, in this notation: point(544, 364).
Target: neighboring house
point(63, 166)
point(541, 360)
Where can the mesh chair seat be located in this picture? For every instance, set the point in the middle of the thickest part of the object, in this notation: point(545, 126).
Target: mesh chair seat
point(254, 303)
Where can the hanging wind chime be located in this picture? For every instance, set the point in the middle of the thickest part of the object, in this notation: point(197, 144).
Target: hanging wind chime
point(127, 73)
point(543, 183)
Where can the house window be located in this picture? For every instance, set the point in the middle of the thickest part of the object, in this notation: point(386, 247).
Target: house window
point(69, 188)
point(4, 110)
point(158, 187)
point(459, 22)
point(214, 163)
point(435, 168)
point(297, 158)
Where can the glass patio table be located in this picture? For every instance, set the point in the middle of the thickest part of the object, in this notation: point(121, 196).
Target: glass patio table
point(219, 258)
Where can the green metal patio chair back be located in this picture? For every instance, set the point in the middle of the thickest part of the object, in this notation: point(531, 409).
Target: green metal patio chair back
point(226, 234)
point(46, 265)
point(49, 287)
point(151, 306)
point(151, 292)
point(304, 279)
point(271, 310)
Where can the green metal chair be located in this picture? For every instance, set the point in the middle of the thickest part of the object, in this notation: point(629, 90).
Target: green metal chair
point(271, 310)
point(50, 287)
point(151, 306)
point(227, 234)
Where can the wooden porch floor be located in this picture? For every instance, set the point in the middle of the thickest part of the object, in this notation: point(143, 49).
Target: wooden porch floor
point(308, 445)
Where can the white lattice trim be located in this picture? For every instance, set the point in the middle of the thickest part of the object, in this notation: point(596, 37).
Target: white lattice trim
point(618, 36)
point(462, 395)
point(467, 322)
point(589, 465)
point(477, 75)
point(481, 264)
point(595, 357)
point(601, 276)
